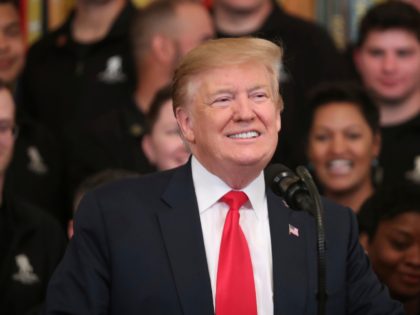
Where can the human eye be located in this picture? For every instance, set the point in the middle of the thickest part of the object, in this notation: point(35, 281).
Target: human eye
point(321, 137)
point(259, 96)
point(399, 244)
point(405, 53)
point(221, 100)
point(13, 30)
point(375, 52)
point(352, 135)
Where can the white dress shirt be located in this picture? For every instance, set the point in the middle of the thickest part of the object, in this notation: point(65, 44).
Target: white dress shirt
point(253, 221)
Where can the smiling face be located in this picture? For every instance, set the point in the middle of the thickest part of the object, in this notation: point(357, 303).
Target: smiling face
point(12, 48)
point(341, 147)
point(163, 146)
point(232, 121)
point(389, 64)
point(395, 254)
point(7, 122)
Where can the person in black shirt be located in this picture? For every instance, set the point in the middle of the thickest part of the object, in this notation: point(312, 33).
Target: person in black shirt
point(31, 242)
point(83, 69)
point(36, 167)
point(161, 34)
point(387, 57)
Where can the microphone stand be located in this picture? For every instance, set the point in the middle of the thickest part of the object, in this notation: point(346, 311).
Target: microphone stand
point(306, 177)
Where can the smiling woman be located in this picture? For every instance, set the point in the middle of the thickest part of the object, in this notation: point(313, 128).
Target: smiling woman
point(389, 231)
point(343, 141)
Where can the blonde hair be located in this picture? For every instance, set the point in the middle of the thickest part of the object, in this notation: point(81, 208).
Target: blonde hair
point(222, 52)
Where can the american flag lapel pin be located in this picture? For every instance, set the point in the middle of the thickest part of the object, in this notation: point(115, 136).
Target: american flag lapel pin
point(293, 230)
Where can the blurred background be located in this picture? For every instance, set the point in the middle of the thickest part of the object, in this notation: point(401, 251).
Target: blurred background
point(340, 17)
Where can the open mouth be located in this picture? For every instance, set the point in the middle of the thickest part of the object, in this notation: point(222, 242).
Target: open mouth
point(340, 166)
point(244, 135)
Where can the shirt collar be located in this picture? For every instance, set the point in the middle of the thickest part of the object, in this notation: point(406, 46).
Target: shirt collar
point(209, 188)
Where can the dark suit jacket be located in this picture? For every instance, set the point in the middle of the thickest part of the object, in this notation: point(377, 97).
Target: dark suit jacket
point(138, 249)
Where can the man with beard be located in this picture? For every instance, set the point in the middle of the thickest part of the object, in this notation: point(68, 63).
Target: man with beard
point(310, 58)
point(161, 34)
point(387, 57)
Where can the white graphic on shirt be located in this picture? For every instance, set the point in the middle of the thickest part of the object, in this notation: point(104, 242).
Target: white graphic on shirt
point(113, 72)
point(25, 272)
point(36, 163)
point(414, 174)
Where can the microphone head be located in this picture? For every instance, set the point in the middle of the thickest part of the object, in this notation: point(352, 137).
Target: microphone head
point(280, 178)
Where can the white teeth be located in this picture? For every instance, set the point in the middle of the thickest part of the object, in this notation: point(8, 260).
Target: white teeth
point(340, 166)
point(245, 135)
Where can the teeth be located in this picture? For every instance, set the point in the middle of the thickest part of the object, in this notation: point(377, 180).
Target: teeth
point(245, 135)
point(340, 166)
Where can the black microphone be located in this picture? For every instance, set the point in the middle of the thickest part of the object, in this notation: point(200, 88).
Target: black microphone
point(286, 184)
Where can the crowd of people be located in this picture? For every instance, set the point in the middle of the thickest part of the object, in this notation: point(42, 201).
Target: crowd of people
point(116, 94)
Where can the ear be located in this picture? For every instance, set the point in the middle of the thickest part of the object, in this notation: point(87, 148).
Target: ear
point(278, 120)
point(377, 143)
point(148, 150)
point(163, 48)
point(184, 119)
point(364, 241)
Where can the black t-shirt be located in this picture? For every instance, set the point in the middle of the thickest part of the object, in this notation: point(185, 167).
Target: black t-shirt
point(66, 83)
point(111, 141)
point(400, 152)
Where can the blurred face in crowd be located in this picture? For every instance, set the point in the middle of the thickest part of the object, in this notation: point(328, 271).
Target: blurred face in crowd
point(195, 27)
point(232, 120)
point(389, 64)
point(7, 123)
point(12, 48)
point(164, 147)
point(341, 147)
point(395, 254)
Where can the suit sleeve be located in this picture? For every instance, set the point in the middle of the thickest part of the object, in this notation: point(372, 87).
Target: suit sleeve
point(81, 283)
point(366, 294)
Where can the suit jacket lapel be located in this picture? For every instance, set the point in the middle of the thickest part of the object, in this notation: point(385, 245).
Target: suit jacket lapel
point(181, 229)
point(289, 257)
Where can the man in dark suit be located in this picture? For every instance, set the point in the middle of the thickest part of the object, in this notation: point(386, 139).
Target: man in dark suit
point(207, 237)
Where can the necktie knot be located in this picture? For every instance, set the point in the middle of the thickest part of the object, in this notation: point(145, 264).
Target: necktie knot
point(235, 199)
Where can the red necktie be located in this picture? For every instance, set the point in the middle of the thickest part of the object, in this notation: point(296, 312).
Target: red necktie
point(235, 289)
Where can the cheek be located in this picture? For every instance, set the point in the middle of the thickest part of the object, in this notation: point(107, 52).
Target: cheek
point(316, 153)
point(385, 260)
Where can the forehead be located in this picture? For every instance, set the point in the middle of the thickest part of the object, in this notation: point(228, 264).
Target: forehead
point(391, 38)
point(407, 222)
point(346, 110)
point(8, 14)
point(246, 75)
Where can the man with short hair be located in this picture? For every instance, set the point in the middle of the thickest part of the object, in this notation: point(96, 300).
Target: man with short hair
point(208, 237)
point(36, 169)
point(387, 58)
point(12, 46)
point(310, 58)
point(161, 34)
point(31, 243)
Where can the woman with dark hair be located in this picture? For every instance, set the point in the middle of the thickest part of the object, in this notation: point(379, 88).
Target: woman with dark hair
point(390, 233)
point(343, 142)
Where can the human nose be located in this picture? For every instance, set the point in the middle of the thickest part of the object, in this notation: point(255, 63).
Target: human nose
point(337, 145)
point(389, 63)
point(413, 256)
point(3, 43)
point(243, 110)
